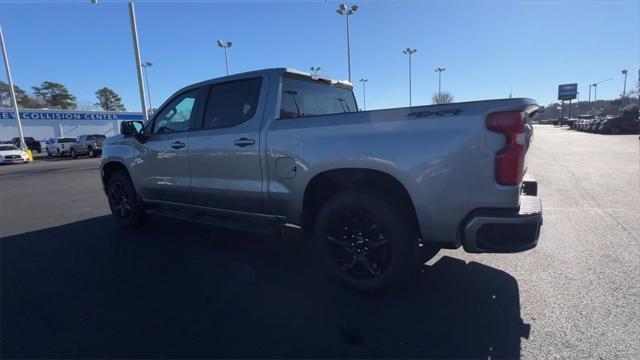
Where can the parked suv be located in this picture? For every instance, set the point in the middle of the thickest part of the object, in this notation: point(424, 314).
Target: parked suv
point(32, 144)
point(626, 123)
point(88, 145)
point(60, 146)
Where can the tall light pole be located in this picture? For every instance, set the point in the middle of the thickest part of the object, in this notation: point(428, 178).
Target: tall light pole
point(136, 51)
point(315, 70)
point(23, 146)
point(595, 93)
point(439, 71)
point(225, 46)
point(147, 65)
point(624, 87)
point(364, 93)
point(409, 52)
point(343, 10)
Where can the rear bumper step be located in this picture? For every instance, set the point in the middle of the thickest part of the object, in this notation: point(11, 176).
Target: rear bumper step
point(504, 230)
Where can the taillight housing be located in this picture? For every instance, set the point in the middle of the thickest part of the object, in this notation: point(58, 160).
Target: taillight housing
point(510, 159)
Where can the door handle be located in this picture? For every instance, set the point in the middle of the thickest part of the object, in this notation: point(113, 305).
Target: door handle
point(242, 142)
point(178, 145)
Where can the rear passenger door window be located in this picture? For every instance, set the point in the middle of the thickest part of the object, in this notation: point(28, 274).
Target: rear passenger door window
point(231, 103)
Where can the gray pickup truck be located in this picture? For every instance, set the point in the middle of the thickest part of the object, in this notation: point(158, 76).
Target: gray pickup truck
point(90, 145)
point(375, 193)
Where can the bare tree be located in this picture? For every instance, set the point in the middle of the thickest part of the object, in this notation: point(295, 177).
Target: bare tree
point(443, 97)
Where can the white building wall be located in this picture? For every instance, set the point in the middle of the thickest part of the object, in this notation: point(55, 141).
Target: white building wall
point(45, 129)
point(44, 124)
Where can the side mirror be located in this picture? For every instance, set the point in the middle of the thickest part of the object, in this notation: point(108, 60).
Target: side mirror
point(131, 128)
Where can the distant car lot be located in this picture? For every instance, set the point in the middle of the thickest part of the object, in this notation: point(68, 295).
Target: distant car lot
point(72, 284)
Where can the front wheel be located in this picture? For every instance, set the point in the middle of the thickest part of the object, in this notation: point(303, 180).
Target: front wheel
point(124, 202)
point(91, 153)
point(367, 242)
point(73, 154)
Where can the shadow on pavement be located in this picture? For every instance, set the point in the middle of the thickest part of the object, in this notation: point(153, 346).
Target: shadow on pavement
point(172, 289)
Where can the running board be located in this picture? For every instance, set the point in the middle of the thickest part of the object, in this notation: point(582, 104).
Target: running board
point(248, 225)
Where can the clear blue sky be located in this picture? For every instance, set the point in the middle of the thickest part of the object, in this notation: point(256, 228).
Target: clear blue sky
point(488, 47)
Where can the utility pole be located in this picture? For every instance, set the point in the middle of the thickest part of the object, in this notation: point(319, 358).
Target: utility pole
point(136, 50)
point(343, 10)
point(225, 46)
point(409, 52)
point(12, 92)
point(439, 71)
point(364, 93)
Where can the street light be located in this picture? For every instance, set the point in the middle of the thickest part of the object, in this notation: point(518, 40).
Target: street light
point(136, 50)
point(225, 46)
point(12, 92)
point(147, 65)
point(364, 93)
point(136, 53)
point(343, 10)
point(409, 52)
point(439, 71)
point(595, 92)
point(315, 70)
point(624, 87)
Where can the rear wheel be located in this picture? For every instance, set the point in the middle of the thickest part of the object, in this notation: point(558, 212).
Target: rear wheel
point(365, 241)
point(124, 202)
point(615, 130)
point(91, 152)
point(74, 154)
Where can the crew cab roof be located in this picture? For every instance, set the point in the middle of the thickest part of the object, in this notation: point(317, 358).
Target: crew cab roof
point(275, 72)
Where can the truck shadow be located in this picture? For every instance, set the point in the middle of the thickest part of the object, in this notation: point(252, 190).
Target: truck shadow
point(171, 289)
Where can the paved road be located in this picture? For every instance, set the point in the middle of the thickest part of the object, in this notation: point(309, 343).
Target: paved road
point(75, 285)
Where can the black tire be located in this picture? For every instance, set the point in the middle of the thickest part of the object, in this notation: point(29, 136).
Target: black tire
point(91, 152)
point(124, 202)
point(39, 151)
point(364, 263)
point(74, 154)
point(615, 130)
point(49, 153)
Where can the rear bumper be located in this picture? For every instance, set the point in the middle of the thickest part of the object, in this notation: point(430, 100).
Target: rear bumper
point(505, 230)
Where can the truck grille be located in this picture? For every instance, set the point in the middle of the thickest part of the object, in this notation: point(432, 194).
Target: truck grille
point(8, 157)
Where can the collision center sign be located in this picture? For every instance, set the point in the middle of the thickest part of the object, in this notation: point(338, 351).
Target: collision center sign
point(7, 114)
point(567, 91)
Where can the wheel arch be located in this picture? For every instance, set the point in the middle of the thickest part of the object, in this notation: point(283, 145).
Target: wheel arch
point(111, 167)
point(328, 183)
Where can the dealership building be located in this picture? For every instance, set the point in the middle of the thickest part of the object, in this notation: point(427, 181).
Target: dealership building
point(42, 124)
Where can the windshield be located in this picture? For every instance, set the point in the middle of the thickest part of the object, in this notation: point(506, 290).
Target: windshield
point(8, 147)
point(66, 140)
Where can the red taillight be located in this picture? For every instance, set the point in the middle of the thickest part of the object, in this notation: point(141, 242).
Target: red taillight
point(510, 159)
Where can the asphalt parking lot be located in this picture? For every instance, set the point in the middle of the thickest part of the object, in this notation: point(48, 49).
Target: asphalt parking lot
point(73, 284)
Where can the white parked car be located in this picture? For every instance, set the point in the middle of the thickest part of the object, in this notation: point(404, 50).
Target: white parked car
point(60, 146)
point(11, 154)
